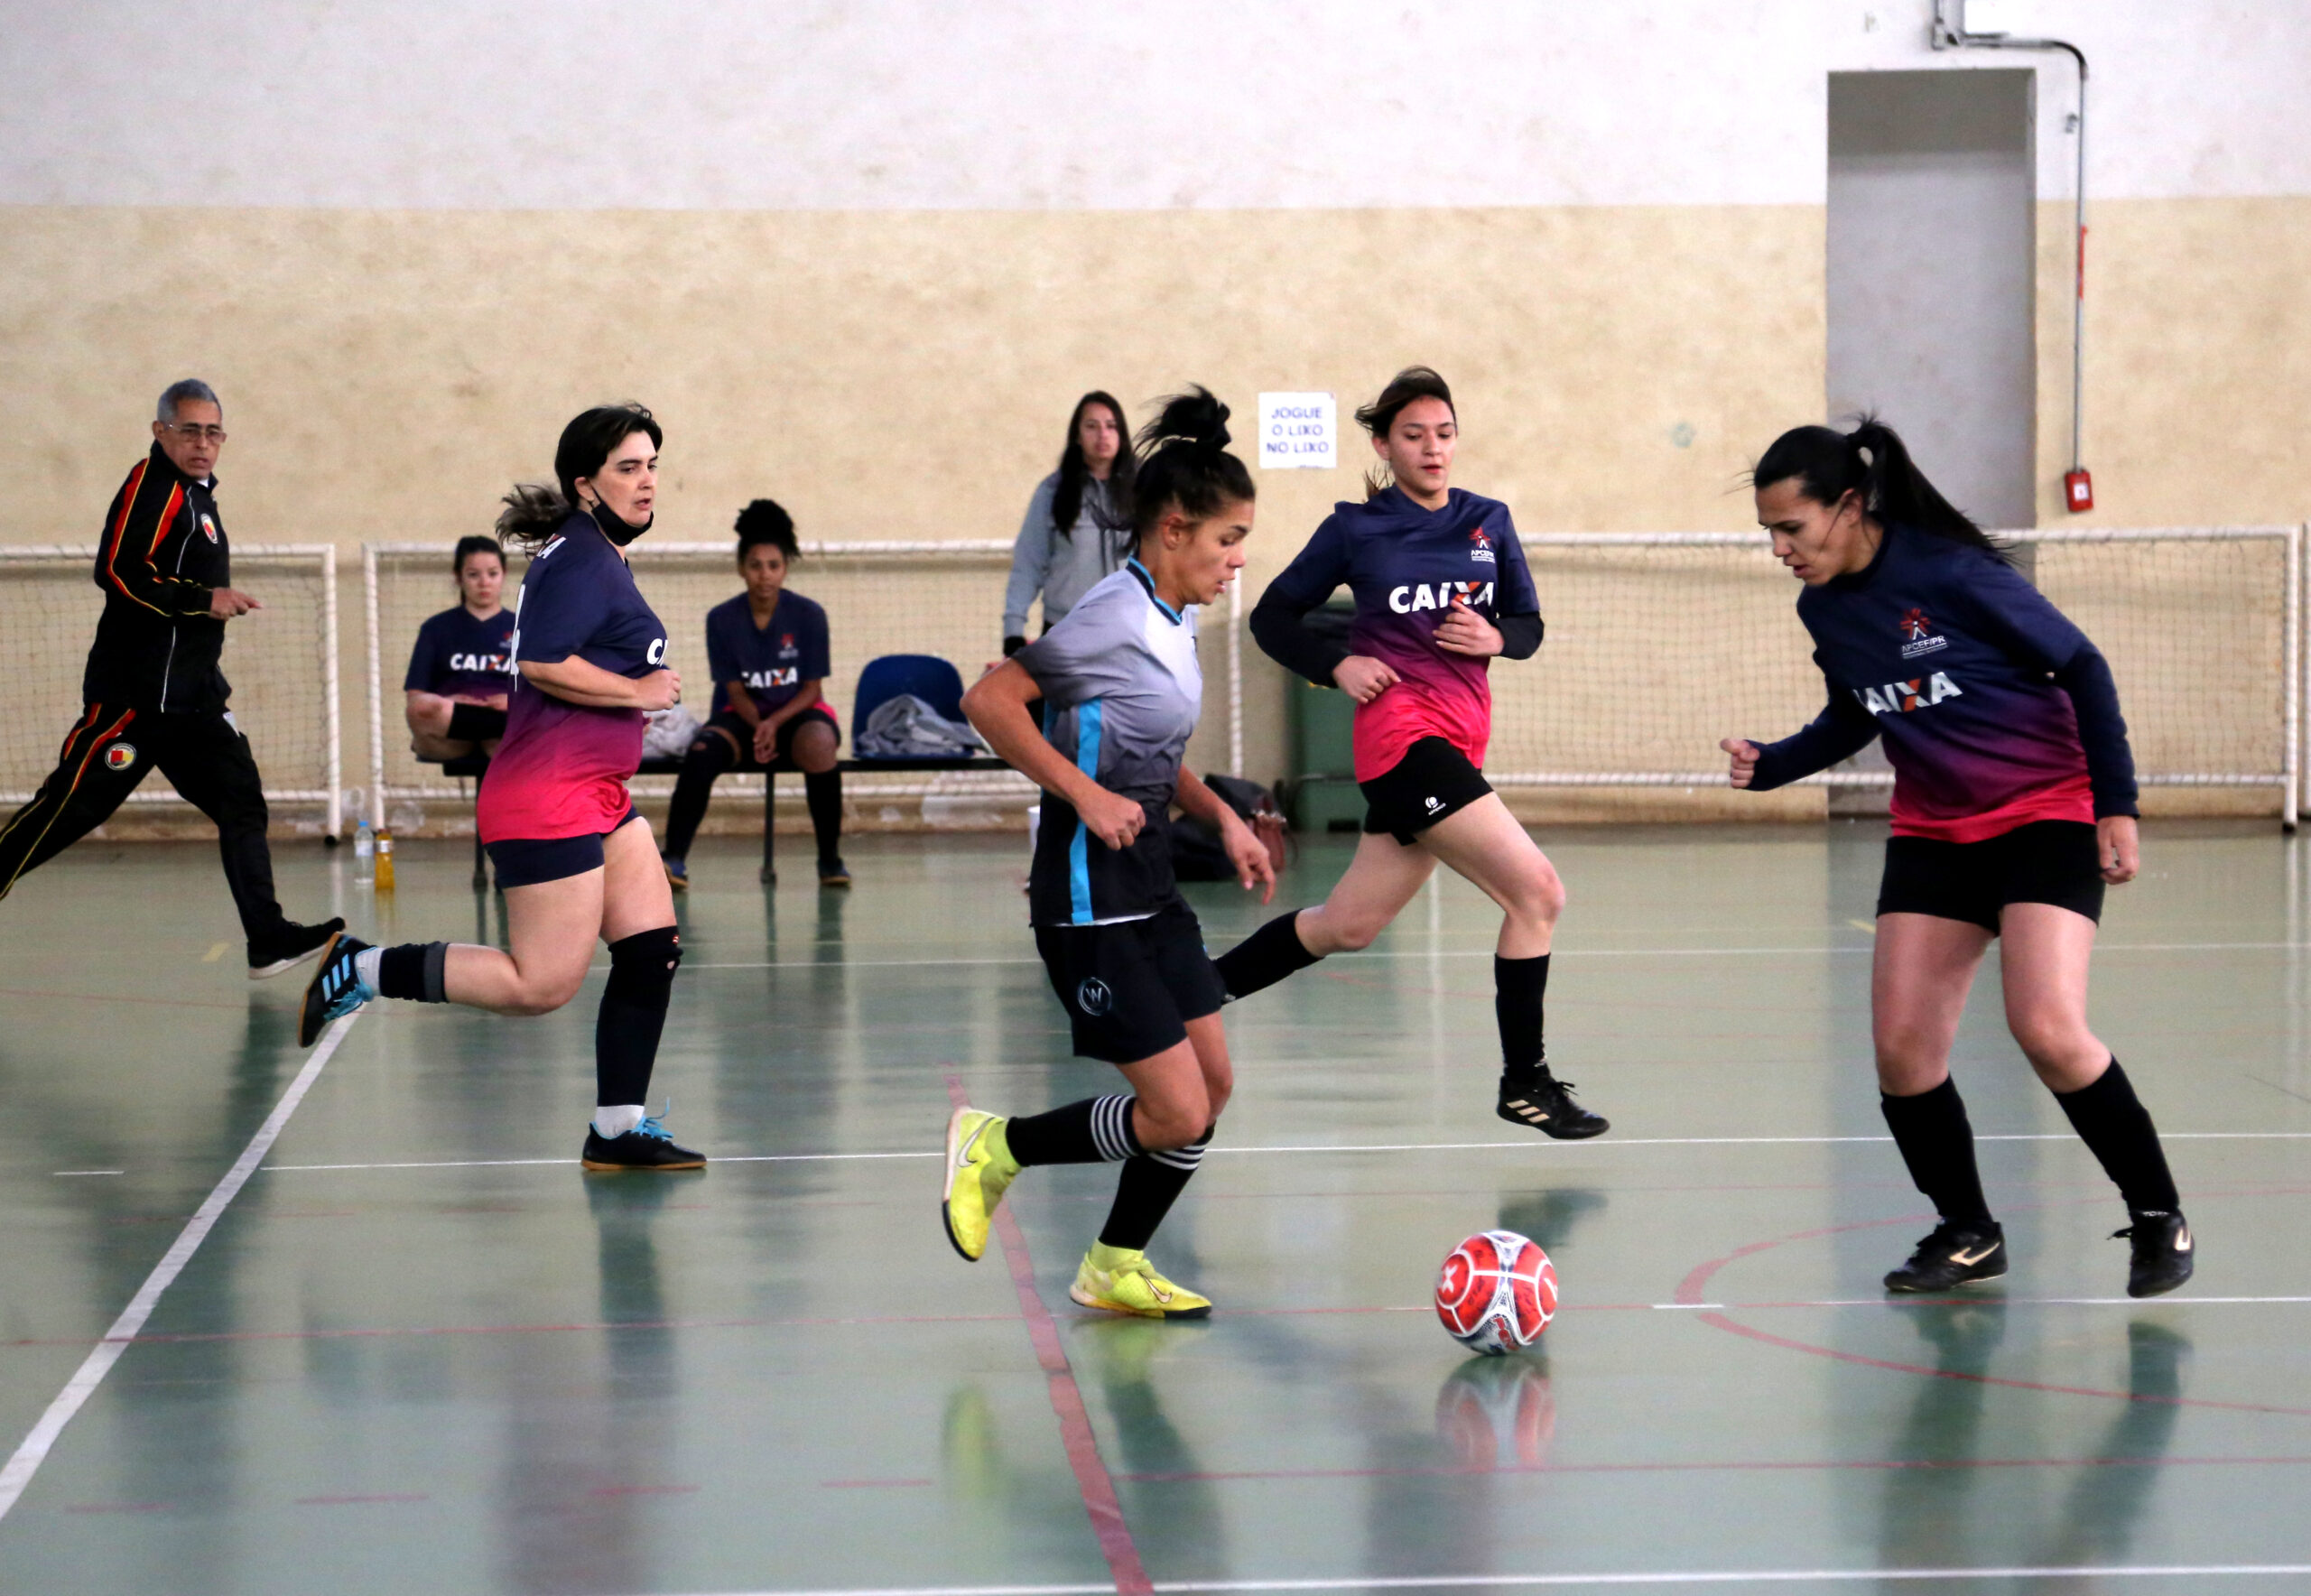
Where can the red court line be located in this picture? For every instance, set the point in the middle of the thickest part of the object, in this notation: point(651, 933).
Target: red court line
point(1083, 1447)
point(1804, 1465)
point(363, 1501)
point(1693, 1289)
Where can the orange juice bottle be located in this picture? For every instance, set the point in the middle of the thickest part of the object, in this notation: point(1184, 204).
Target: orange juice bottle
point(385, 882)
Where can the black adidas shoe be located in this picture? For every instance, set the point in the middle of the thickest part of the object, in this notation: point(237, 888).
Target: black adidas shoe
point(646, 1146)
point(1545, 1104)
point(2164, 1253)
point(288, 945)
point(336, 990)
point(1954, 1255)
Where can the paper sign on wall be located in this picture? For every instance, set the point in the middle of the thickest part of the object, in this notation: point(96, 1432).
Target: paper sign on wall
point(1297, 432)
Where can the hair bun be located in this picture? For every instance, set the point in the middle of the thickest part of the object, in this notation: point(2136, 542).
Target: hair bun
point(1196, 418)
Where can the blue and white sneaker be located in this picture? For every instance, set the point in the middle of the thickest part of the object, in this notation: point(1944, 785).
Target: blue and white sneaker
point(336, 990)
point(648, 1146)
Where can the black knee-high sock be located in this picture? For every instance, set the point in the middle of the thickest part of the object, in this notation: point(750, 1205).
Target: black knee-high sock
point(2112, 1122)
point(632, 1014)
point(1938, 1142)
point(1146, 1188)
point(1096, 1131)
point(823, 793)
point(708, 758)
point(1264, 958)
point(413, 970)
point(1518, 986)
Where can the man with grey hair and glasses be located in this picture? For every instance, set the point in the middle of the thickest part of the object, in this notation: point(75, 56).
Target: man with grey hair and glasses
point(153, 694)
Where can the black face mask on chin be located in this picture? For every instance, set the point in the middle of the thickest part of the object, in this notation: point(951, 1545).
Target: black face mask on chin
point(615, 527)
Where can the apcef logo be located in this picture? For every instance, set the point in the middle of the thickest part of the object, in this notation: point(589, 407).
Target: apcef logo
point(1900, 698)
point(1480, 547)
point(120, 756)
point(1419, 596)
point(1917, 634)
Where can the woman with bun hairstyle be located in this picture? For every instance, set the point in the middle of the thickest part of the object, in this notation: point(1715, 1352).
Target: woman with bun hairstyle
point(1120, 680)
point(1078, 528)
point(2013, 807)
point(1441, 588)
point(575, 861)
point(461, 670)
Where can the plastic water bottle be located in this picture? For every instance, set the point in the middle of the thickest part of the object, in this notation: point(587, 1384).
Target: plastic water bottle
point(365, 854)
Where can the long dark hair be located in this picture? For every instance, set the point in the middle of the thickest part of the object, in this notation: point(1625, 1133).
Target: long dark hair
point(1074, 470)
point(534, 512)
point(1414, 382)
point(1185, 464)
point(1872, 462)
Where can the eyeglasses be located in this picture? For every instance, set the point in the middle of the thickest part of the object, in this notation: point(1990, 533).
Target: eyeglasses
point(192, 432)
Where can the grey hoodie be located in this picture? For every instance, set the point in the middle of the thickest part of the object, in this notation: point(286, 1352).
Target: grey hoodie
point(1062, 568)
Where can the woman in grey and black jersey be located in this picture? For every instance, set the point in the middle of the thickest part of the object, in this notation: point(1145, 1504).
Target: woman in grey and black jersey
point(1121, 688)
point(1078, 529)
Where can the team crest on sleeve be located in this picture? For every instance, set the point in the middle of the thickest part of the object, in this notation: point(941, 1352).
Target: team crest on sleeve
point(120, 756)
point(1919, 636)
point(1480, 547)
point(209, 525)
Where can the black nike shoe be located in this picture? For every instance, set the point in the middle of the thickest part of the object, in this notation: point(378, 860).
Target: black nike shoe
point(288, 945)
point(2164, 1253)
point(1954, 1255)
point(646, 1146)
point(1544, 1103)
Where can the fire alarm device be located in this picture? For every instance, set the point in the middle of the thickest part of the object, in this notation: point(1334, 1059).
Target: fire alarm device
point(2078, 490)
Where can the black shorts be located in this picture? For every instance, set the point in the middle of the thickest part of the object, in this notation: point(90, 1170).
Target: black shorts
point(526, 861)
point(1129, 988)
point(743, 735)
point(1432, 779)
point(2057, 862)
point(475, 723)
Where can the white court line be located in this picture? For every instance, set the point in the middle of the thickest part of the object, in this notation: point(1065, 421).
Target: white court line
point(1659, 1141)
point(1495, 1581)
point(18, 1471)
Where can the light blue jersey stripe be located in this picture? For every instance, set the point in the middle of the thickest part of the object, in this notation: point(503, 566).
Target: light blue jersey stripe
point(1079, 849)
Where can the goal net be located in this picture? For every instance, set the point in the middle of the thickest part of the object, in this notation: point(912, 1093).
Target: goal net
point(282, 661)
point(943, 598)
point(1660, 644)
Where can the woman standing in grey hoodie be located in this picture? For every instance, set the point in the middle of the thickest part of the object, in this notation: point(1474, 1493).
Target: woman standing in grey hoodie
point(1078, 528)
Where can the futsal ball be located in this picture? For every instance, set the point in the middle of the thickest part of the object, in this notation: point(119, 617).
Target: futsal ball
point(1496, 1293)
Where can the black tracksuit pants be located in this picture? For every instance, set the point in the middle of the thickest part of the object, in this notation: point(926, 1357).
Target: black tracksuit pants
point(111, 748)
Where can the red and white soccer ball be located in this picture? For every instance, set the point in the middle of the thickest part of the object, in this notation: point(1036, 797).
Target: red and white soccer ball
point(1496, 1293)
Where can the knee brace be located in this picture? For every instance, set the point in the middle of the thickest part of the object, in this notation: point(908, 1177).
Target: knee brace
point(642, 968)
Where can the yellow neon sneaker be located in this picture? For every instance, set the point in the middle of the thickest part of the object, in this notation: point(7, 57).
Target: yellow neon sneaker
point(979, 1168)
point(1122, 1280)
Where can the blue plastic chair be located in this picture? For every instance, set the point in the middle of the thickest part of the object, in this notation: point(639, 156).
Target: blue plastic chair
point(926, 675)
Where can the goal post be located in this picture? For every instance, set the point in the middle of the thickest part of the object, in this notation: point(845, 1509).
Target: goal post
point(1659, 644)
point(281, 660)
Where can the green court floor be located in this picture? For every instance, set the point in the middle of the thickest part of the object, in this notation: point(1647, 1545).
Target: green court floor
point(419, 1350)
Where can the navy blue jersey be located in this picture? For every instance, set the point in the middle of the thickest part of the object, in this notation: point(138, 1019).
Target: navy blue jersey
point(1405, 566)
point(1974, 680)
point(561, 769)
point(774, 660)
point(459, 654)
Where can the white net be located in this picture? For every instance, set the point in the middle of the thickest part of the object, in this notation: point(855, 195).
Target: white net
point(943, 598)
point(281, 662)
point(1658, 646)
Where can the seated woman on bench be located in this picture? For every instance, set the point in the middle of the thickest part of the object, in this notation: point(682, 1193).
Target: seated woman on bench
point(767, 651)
point(462, 667)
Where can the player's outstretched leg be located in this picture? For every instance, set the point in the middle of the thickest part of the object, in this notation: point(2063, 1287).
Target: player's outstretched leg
point(1924, 967)
point(2045, 963)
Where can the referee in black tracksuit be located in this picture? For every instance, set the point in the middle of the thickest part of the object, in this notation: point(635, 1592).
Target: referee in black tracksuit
point(153, 694)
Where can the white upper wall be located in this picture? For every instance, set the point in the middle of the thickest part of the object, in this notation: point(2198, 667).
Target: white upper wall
point(1060, 105)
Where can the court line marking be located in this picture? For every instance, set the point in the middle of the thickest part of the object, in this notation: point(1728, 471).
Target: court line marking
point(1785, 1576)
point(18, 1471)
point(1077, 1438)
point(1659, 1141)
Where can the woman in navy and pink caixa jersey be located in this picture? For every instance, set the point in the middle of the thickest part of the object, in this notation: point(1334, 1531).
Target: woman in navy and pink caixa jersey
point(461, 673)
point(1441, 588)
point(575, 861)
point(2013, 807)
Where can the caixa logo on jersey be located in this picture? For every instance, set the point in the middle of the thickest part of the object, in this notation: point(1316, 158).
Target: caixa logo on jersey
point(482, 665)
point(1919, 634)
point(1419, 596)
point(763, 680)
point(657, 653)
point(1900, 698)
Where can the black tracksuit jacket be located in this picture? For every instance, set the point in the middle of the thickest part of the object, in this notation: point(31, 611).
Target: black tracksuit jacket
point(163, 553)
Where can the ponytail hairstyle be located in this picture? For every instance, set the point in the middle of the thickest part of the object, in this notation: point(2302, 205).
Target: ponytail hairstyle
point(1414, 382)
point(1074, 470)
point(1872, 462)
point(765, 521)
point(534, 512)
point(1185, 463)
